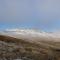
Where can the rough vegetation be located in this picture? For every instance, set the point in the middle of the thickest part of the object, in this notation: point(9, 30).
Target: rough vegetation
point(18, 49)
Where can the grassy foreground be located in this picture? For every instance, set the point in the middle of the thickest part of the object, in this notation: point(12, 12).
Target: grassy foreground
point(19, 49)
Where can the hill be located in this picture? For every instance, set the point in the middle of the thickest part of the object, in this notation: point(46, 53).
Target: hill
point(13, 49)
point(19, 44)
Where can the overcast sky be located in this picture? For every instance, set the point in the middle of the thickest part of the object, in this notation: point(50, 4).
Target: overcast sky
point(36, 14)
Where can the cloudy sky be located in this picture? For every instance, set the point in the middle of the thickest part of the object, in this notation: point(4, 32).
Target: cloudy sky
point(36, 14)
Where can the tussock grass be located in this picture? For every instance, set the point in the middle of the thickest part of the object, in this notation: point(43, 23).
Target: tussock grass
point(13, 48)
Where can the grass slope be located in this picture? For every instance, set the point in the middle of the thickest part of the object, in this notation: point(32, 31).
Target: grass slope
point(13, 49)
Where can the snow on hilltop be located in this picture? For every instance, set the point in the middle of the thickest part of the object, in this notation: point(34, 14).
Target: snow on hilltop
point(32, 35)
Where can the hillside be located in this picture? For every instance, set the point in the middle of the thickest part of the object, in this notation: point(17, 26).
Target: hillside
point(19, 49)
point(16, 44)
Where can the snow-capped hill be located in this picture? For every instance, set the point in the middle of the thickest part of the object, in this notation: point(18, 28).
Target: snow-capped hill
point(25, 32)
point(32, 35)
point(31, 32)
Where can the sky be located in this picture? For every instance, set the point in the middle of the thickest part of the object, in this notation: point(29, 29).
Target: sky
point(32, 14)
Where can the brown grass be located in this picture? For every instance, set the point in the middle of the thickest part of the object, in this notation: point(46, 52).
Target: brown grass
point(13, 48)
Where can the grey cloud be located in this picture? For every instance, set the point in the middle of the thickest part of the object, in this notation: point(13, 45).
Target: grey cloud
point(43, 11)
